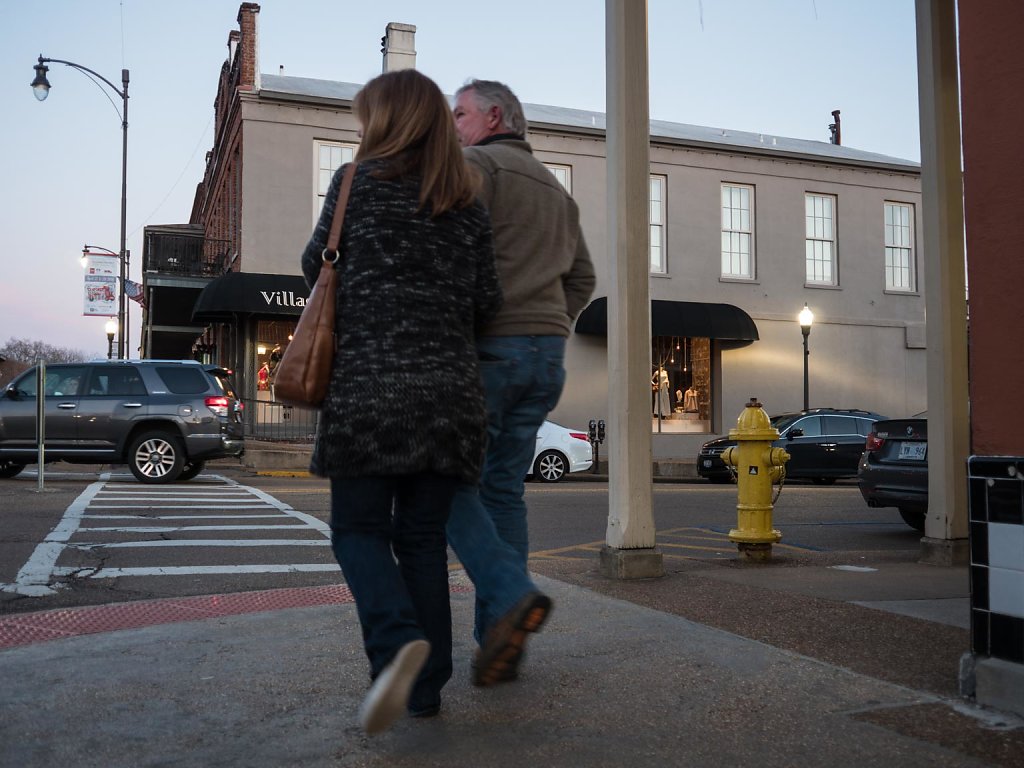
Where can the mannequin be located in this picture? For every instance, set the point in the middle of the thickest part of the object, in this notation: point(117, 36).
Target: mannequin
point(275, 357)
point(663, 403)
point(690, 403)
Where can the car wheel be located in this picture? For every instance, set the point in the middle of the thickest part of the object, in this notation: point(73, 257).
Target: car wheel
point(913, 518)
point(10, 469)
point(156, 457)
point(824, 481)
point(550, 467)
point(191, 469)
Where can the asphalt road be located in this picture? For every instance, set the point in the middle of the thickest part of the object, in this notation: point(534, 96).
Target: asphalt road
point(110, 539)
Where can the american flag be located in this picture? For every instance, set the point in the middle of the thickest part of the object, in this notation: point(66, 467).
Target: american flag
point(134, 292)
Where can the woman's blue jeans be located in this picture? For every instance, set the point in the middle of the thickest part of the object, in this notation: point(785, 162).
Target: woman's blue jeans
point(387, 534)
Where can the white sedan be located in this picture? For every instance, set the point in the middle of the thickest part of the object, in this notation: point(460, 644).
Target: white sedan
point(560, 451)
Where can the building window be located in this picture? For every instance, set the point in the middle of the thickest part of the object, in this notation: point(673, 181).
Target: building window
point(680, 384)
point(738, 231)
point(899, 247)
point(820, 231)
point(563, 173)
point(330, 156)
point(659, 262)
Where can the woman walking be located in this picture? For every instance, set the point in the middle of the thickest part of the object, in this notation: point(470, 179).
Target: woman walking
point(403, 423)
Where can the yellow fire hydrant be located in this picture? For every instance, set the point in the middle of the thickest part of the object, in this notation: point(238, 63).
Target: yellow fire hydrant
point(757, 465)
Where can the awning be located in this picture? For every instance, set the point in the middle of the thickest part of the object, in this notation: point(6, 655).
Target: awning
point(678, 318)
point(251, 293)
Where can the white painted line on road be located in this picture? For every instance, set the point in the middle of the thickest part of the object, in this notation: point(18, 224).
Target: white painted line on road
point(202, 543)
point(178, 528)
point(179, 517)
point(853, 568)
point(179, 506)
point(34, 577)
point(172, 490)
point(313, 522)
point(199, 570)
point(240, 500)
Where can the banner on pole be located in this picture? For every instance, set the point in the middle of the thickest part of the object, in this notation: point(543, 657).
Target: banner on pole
point(101, 274)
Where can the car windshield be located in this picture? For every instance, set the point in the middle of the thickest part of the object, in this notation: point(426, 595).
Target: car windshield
point(783, 421)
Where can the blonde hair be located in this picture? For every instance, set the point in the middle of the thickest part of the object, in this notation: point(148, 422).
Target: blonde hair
point(407, 122)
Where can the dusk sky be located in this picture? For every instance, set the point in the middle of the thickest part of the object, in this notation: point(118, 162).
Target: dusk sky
point(777, 68)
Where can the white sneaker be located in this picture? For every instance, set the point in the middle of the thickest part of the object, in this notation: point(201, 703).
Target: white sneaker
point(388, 697)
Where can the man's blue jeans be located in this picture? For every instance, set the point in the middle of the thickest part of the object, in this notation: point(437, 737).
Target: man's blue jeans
point(376, 521)
point(523, 378)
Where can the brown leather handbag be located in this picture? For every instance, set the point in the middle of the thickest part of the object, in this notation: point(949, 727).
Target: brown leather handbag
point(304, 372)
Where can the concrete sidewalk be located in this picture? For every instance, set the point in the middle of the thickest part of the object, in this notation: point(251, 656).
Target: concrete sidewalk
point(609, 682)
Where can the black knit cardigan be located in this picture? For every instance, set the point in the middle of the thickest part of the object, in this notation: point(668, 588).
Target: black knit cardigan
point(405, 393)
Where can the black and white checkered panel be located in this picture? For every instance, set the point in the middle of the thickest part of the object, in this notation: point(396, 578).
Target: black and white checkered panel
point(996, 500)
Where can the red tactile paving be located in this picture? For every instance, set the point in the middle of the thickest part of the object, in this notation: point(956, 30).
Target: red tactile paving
point(28, 628)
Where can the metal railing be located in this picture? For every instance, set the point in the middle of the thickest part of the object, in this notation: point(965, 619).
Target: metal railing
point(274, 421)
point(184, 254)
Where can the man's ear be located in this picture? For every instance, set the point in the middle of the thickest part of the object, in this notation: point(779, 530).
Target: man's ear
point(494, 116)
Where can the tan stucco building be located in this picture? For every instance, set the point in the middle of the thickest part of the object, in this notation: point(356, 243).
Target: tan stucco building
point(745, 229)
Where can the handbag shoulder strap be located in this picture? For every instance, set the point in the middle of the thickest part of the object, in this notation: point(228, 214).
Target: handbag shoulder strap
point(334, 237)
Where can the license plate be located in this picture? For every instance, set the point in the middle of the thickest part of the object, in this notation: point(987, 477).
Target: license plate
point(707, 462)
point(913, 451)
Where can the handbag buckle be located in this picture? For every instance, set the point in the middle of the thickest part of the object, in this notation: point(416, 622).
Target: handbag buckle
point(323, 255)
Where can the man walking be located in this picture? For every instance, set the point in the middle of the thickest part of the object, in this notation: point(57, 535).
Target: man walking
point(547, 278)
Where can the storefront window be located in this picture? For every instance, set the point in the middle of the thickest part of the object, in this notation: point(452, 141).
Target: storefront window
point(273, 337)
point(680, 384)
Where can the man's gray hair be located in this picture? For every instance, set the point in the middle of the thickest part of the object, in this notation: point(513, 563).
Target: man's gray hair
point(491, 93)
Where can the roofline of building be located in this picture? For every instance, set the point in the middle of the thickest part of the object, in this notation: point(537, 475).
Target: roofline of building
point(896, 166)
point(875, 161)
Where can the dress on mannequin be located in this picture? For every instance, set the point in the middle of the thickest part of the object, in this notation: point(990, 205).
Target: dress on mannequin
point(663, 401)
point(690, 403)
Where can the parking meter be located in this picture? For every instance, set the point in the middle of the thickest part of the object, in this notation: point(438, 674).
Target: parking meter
point(600, 431)
point(592, 431)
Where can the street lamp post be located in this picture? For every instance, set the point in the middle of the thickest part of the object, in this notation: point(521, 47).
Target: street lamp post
point(806, 317)
point(111, 328)
point(41, 88)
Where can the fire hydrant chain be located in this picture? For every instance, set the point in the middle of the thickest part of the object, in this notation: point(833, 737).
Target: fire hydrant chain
point(782, 480)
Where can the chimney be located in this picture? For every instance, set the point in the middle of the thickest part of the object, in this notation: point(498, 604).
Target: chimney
point(834, 129)
point(399, 47)
point(233, 37)
point(249, 70)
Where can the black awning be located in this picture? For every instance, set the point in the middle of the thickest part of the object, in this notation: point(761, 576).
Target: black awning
point(678, 318)
point(251, 293)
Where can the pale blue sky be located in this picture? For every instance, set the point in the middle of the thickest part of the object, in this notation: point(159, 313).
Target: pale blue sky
point(777, 67)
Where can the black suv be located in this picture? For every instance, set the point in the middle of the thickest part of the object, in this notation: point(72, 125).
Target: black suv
point(823, 444)
point(894, 468)
point(163, 418)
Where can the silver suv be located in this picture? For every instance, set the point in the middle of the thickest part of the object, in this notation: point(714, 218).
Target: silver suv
point(163, 418)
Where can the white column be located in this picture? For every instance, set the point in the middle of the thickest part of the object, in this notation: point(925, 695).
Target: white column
point(941, 248)
point(630, 518)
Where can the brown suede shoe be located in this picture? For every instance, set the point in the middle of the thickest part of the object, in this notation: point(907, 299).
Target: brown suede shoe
point(498, 659)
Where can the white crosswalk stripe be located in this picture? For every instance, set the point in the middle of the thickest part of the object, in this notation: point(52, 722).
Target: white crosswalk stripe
point(123, 521)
